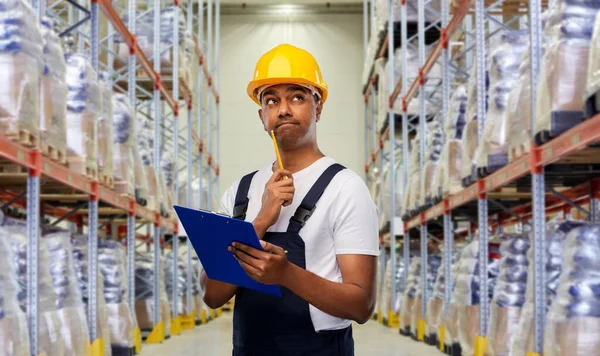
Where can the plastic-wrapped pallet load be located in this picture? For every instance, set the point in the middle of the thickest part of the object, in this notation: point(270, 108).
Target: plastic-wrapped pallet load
point(509, 296)
point(22, 61)
point(556, 232)
point(434, 318)
point(53, 96)
point(105, 133)
point(190, 58)
point(592, 88)
point(450, 321)
point(467, 295)
point(434, 144)
point(433, 265)
point(84, 106)
point(469, 134)
point(412, 191)
point(386, 208)
point(504, 59)
point(14, 336)
point(448, 177)
point(71, 310)
point(573, 321)
point(124, 145)
point(79, 245)
point(144, 293)
point(145, 142)
point(410, 293)
point(50, 340)
point(381, 102)
point(112, 264)
point(518, 112)
point(564, 67)
point(181, 281)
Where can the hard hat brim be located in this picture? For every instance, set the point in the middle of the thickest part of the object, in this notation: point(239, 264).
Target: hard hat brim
point(255, 84)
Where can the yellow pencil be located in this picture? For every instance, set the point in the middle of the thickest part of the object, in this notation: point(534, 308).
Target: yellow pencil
point(277, 151)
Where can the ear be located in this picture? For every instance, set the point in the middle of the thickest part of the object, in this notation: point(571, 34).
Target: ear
point(260, 116)
point(318, 110)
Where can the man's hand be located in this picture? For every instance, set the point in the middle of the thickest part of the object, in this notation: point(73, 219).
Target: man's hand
point(278, 192)
point(267, 267)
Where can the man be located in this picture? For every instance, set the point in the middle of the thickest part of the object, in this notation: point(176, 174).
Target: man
point(316, 221)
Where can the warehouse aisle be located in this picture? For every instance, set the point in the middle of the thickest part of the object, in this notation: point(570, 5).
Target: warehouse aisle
point(214, 339)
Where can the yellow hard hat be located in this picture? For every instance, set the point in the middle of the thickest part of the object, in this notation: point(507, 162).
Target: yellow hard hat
point(286, 64)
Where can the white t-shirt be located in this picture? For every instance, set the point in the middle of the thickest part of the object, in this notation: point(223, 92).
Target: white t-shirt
point(345, 221)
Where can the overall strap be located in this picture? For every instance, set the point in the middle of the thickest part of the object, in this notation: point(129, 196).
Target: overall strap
point(309, 203)
point(241, 197)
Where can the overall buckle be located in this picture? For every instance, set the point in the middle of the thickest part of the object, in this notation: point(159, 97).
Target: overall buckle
point(302, 215)
point(239, 211)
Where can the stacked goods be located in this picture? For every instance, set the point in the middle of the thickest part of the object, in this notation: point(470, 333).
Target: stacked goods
point(389, 305)
point(381, 100)
point(53, 96)
point(556, 232)
point(448, 177)
point(105, 133)
point(412, 190)
point(21, 63)
point(167, 165)
point(386, 196)
point(518, 112)
point(469, 133)
point(509, 296)
point(84, 106)
point(504, 59)
point(71, 310)
point(592, 104)
point(467, 295)
point(50, 338)
point(410, 293)
point(433, 265)
point(564, 67)
point(434, 143)
point(434, 317)
point(450, 320)
point(144, 293)
point(573, 322)
point(80, 247)
point(13, 324)
point(124, 139)
point(170, 282)
point(112, 265)
point(144, 145)
point(190, 57)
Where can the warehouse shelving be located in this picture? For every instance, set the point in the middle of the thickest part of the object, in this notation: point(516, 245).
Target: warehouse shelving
point(522, 192)
point(44, 186)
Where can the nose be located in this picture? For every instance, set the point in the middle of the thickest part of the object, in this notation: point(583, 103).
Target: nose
point(284, 109)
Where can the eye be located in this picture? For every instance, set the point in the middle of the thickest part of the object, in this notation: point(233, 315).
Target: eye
point(270, 101)
point(298, 97)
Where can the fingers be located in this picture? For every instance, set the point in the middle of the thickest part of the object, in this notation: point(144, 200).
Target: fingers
point(251, 271)
point(245, 249)
point(278, 175)
point(246, 258)
point(272, 248)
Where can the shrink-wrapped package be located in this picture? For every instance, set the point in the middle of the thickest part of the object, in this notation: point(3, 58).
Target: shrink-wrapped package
point(21, 63)
point(144, 145)
point(144, 293)
point(124, 145)
point(435, 304)
point(13, 324)
point(53, 96)
point(386, 209)
point(450, 321)
point(518, 112)
point(412, 196)
point(434, 144)
point(71, 310)
point(389, 304)
point(105, 131)
point(564, 68)
point(469, 134)
point(170, 282)
point(504, 60)
point(190, 58)
point(84, 105)
point(447, 179)
point(556, 231)
point(112, 262)
point(573, 321)
point(382, 10)
point(509, 296)
point(80, 248)
point(380, 101)
point(50, 338)
point(467, 295)
point(433, 265)
point(410, 294)
point(592, 104)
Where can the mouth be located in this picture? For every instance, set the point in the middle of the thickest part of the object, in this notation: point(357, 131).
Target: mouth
point(286, 124)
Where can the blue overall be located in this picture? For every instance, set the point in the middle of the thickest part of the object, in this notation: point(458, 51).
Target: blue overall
point(265, 325)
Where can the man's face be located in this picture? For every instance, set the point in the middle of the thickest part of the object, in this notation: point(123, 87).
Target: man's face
point(292, 111)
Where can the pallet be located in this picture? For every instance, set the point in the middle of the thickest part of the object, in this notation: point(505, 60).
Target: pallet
point(518, 151)
point(12, 168)
point(124, 188)
point(106, 181)
point(560, 122)
point(24, 137)
point(54, 154)
point(79, 165)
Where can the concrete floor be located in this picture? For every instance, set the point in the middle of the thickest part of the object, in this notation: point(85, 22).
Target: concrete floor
point(214, 339)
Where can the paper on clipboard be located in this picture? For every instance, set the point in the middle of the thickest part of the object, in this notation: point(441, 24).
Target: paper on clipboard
point(210, 235)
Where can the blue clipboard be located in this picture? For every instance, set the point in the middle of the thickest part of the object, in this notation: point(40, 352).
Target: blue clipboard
point(210, 235)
